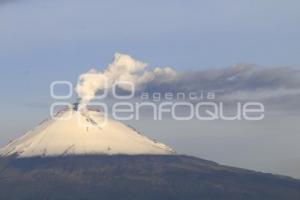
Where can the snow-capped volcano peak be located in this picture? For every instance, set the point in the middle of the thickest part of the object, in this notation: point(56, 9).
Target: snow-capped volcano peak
point(81, 133)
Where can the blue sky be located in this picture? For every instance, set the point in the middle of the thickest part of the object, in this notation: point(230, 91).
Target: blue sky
point(42, 41)
point(77, 34)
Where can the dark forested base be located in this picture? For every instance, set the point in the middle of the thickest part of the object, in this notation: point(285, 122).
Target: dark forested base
point(140, 177)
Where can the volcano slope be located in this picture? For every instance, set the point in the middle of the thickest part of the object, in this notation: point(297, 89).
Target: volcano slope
point(137, 177)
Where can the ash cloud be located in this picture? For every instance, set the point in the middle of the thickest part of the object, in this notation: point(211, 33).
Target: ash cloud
point(239, 82)
point(122, 69)
point(277, 86)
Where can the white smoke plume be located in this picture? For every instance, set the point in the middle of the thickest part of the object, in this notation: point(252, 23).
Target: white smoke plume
point(123, 68)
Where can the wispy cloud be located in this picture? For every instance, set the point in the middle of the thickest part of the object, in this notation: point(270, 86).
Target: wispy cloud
point(279, 86)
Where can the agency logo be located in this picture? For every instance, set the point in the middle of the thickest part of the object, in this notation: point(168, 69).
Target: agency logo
point(130, 104)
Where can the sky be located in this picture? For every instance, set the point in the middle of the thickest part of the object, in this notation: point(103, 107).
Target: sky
point(42, 41)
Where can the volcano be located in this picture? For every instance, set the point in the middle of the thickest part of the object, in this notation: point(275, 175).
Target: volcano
point(82, 155)
point(85, 132)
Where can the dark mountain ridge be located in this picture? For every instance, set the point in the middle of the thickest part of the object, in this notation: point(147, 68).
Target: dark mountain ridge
point(140, 177)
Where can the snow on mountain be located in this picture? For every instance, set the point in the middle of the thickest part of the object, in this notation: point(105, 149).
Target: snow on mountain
point(81, 133)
